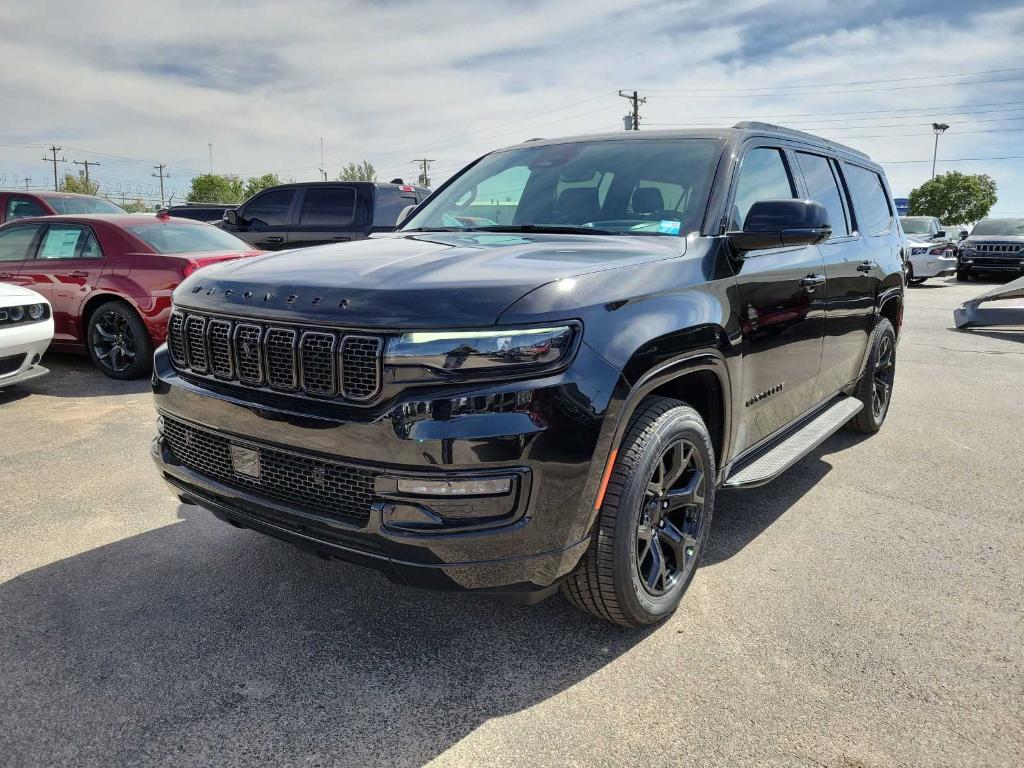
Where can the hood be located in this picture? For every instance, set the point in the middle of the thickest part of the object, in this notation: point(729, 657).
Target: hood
point(412, 280)
point(918, 239)
point(1014, 239)
point(15, 294)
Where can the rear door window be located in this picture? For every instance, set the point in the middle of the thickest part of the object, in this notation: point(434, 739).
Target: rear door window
point(21, 207)
point(64, 241)
point(763, 176)
point(872, 211)
point(270, 209)
point(823, 187)
point(389, 203)
point(328, 207)
point(16, 243)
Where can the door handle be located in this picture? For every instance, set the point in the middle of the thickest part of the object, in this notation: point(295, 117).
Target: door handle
point(864, 266)
point(810, 282)
point(275, 239)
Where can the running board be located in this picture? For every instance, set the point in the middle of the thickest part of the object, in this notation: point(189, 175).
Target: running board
point(770, 465)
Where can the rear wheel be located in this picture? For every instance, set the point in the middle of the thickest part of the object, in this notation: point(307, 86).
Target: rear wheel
point(874, 388)
point(119, 344)
point(654, 523)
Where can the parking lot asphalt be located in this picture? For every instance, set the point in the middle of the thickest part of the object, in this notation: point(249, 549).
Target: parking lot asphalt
point(867, 609)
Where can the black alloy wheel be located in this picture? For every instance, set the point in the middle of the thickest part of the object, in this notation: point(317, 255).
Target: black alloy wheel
point(118, 342)
point(874, 388)
point(884, 374)
point(669, 526)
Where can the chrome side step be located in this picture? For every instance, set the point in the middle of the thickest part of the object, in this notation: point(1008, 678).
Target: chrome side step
point(789, 451)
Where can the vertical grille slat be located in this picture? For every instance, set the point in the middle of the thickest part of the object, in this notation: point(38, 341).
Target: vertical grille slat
point(360, 367)
point(195, 347)
point(176, 339)
point(218, 334)
point(316, 362)
point(281, 368)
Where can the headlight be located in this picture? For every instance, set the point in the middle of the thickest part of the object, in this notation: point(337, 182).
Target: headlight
point(474, 352)
point(36, 311)
point(16, 314)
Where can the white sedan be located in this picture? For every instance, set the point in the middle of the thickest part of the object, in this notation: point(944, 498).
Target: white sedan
point(26, 329)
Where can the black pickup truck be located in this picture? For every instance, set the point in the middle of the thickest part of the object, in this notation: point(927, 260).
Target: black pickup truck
point(314, 213)
point(542, 379)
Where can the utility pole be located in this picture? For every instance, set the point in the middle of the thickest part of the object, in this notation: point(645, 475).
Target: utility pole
point(636, 101)
point(160, 174)
point(323, 171)
point(85, 163)
point(27, 180)
point(54, 160)
point(939, 129)
point(210, 146)
point(424, 163)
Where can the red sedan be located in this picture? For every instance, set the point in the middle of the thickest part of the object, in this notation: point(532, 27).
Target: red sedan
point(109, 278)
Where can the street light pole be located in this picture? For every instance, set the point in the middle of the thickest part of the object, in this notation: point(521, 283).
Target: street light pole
point(939, 129)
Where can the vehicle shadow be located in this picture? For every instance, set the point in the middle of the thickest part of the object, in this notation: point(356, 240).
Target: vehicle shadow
point(743, 515)
point(200, 644)
point(1003, 334)
point(75, 376)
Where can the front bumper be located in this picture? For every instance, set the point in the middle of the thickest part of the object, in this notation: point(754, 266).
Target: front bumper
point(983, 263)
point(22, 347)
point(542, 434)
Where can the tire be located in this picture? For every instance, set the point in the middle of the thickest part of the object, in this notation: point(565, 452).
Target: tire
point(118, 341)
point(963, 275)
point(619, 578)
point(911, 280)
point(878, 377)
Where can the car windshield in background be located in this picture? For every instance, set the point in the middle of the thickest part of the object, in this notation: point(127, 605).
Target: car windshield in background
point(79, 205)
point(916, 226)
point(620, 186)
point(186, 238)
point(1010, 227)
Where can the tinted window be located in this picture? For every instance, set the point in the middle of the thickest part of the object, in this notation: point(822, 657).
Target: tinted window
point(175, 237)
point(271, 208)
point(388, 203)
point(20, 207)
point(870, 201)
point(328, 206)
point(1013, 227)
point(763, 176)
point(822, 187)
point(62, 241)
point(917, 226)
point(16, 242)
point(83, 205)
point(625, 186)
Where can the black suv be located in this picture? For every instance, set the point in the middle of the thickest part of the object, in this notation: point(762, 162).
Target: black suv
point(994, 246)
point(314, 213)
point(544, 377)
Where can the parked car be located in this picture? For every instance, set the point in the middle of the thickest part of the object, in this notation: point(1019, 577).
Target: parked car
point(551, 401)
point(109, 279)
point(211, 213)
point(995, 246)
point(26, 328)
point(314, 213)
point(931, 252)
point(19, 205)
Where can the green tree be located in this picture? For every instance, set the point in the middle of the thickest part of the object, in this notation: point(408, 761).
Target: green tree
point(79, 185)
point(136, 206)
point(955, 198)
point(363, 171)
point(210, 188)
point(259, 183)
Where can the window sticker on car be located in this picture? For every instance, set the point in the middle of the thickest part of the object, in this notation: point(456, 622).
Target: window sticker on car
point(60, 243)
point(668, 227)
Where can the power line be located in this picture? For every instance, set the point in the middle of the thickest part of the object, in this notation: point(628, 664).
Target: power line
point(953, 160)
point(424, 162)
point(160, 174)
point(55, 149)
point(86, 164)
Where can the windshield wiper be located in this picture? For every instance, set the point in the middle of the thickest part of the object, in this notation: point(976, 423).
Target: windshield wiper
point(555, 229)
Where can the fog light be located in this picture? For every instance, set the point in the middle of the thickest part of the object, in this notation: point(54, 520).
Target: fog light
point(449, 488)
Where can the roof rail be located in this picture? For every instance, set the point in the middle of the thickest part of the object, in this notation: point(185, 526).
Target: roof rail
point(753, 125)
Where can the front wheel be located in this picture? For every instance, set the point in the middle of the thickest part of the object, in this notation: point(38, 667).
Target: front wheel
point(119, 344)
point(654, 522)
point(874, 389)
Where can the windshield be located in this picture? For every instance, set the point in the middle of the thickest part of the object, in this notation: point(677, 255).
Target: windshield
point(82, 205)
point(999, 227)
point(186, 238)
point(622, 186)
point(916, 226)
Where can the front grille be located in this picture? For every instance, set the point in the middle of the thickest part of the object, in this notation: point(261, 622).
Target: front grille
point(998, 247)
point(11, 364)
point(990, 261)
point(317, 362)
point(302, 482)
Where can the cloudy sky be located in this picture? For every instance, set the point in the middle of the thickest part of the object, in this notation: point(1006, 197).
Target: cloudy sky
point(132, 84)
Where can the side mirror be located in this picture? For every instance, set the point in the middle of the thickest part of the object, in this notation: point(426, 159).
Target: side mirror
point(782, 223)
point(940, 235)
point(404, 215)
point(231, 217)
point(963, 234)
